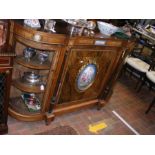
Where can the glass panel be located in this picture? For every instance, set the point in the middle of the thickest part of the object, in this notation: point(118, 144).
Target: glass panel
point(30, 77)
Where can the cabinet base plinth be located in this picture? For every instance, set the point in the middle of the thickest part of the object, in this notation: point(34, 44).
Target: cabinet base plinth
point(101, 103)
point(70, 107)
point(48, 118)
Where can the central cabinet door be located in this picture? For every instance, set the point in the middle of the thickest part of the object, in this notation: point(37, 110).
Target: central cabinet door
point(86, 73)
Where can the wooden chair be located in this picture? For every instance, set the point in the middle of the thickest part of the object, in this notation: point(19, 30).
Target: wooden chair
point(149, 76)
point(138, 64)
point(149, 79)
point(137, 68)
point(143, 68)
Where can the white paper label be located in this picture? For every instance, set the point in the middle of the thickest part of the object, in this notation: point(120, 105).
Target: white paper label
point(100, 42)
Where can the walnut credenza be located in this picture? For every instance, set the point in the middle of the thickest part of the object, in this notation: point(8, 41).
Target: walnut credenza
point(81, 72)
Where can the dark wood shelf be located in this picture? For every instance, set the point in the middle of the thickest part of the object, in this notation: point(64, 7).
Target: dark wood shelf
point(33, 63)
point(18, 83)
point(19, 106)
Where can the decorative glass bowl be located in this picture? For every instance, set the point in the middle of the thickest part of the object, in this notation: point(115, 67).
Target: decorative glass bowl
point(106, 28)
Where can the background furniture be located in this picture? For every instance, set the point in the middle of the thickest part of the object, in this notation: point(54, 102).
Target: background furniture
point(6, 61)
point(149, 80)
point(141, 64)
point(137, 68)
point(80, 73)
point(5, 81)
point(140, 60)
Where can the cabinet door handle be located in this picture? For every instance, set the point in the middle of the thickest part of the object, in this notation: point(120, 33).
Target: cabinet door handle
point(7, 72)
point(37, 37)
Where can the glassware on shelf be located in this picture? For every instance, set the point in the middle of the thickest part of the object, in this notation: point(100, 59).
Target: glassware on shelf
point(42, 57)
point(31, 78)
point(29, 53)
point(50, 25)
point(31, 101)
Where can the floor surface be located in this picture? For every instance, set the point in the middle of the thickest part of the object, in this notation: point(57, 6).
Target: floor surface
point(129, 104)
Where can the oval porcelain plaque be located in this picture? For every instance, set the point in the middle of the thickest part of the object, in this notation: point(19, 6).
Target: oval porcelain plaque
point(86, 77)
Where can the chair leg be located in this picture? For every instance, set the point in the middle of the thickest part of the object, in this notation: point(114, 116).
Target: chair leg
point(137, 84)
point(140, 86)
point(140, 80)
point(122, 72)
point(150, 88)
point(125, 70)
point(131, 74)
point(150, 106)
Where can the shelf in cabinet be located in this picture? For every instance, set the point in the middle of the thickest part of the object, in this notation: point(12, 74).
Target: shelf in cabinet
point(18, 83)
point(33, 63)
point(19, 106)
point(19, 110)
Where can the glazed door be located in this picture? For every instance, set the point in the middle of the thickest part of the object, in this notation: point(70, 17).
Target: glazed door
point(86, 73)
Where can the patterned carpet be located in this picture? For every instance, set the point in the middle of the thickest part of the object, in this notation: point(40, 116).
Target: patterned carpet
point(60, 130)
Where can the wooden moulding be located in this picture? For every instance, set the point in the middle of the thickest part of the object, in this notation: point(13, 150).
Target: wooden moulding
point(29, 33)
point(34, 64)
point(92, 41)
point(36, 45)
point(25, 87)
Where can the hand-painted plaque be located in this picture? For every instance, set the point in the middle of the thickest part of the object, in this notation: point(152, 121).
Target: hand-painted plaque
point(86, 77)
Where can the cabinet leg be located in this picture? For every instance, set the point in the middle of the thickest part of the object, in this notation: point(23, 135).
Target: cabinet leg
point(48, 118)
point(100, 104)
point(3, 129)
